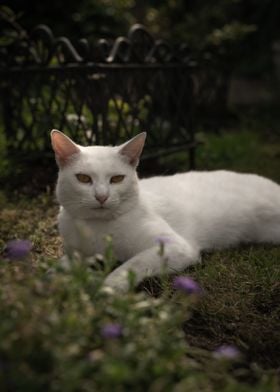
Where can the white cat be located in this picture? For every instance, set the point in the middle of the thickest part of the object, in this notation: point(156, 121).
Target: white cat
point(101, 195)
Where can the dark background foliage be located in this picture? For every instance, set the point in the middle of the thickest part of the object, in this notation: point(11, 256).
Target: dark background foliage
point(229, 40)
point(243, 30)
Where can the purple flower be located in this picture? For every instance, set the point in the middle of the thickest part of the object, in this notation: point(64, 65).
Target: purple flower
point(112, 331)
point(226, 351)
point(186, 285)
point(17, 249)
point(163, 240)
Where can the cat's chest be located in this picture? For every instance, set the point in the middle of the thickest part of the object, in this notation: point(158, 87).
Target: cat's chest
point(90, 238)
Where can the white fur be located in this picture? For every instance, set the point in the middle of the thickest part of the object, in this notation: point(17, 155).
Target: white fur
point(193, 211)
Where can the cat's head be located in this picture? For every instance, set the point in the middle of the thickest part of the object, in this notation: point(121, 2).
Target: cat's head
point(97, 182)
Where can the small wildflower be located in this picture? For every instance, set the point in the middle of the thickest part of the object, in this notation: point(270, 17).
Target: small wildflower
point(186, 285)
point(163, 240)
point(226, 351)
point(17, 249)
point(112, 331)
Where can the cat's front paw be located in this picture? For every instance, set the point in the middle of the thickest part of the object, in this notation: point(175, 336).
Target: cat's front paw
point(117, 282)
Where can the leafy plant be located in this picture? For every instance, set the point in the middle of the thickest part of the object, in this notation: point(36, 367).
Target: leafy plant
point(61, 331)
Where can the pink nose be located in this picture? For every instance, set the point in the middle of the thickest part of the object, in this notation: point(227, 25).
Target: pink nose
point(101, 198)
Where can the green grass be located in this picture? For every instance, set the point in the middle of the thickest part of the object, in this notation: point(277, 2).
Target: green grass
point(241, 304)
point(52, 315)
point(243, 150)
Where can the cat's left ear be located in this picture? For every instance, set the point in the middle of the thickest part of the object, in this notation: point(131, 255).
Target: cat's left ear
point(133, 148)
point(63, 147)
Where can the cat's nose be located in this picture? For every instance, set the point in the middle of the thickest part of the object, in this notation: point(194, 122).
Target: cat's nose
point(101, 198)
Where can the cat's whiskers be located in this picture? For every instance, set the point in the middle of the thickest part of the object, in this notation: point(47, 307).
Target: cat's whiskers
point(91, 204)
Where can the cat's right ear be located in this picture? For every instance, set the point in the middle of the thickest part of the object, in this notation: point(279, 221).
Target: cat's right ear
point(63, 147)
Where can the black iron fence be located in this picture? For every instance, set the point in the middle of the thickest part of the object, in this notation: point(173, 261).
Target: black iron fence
point(101, 93)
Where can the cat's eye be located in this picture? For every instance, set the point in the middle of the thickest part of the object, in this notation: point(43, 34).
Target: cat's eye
point(84, 178)
point(116, 179)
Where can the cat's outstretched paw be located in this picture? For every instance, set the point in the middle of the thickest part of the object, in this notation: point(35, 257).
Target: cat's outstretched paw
point(117, 282)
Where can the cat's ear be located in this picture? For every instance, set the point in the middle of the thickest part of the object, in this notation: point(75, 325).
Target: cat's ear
point(63, 147)
point(132, 149)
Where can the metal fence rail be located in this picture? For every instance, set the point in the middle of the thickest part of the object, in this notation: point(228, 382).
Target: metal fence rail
point(101, 93)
